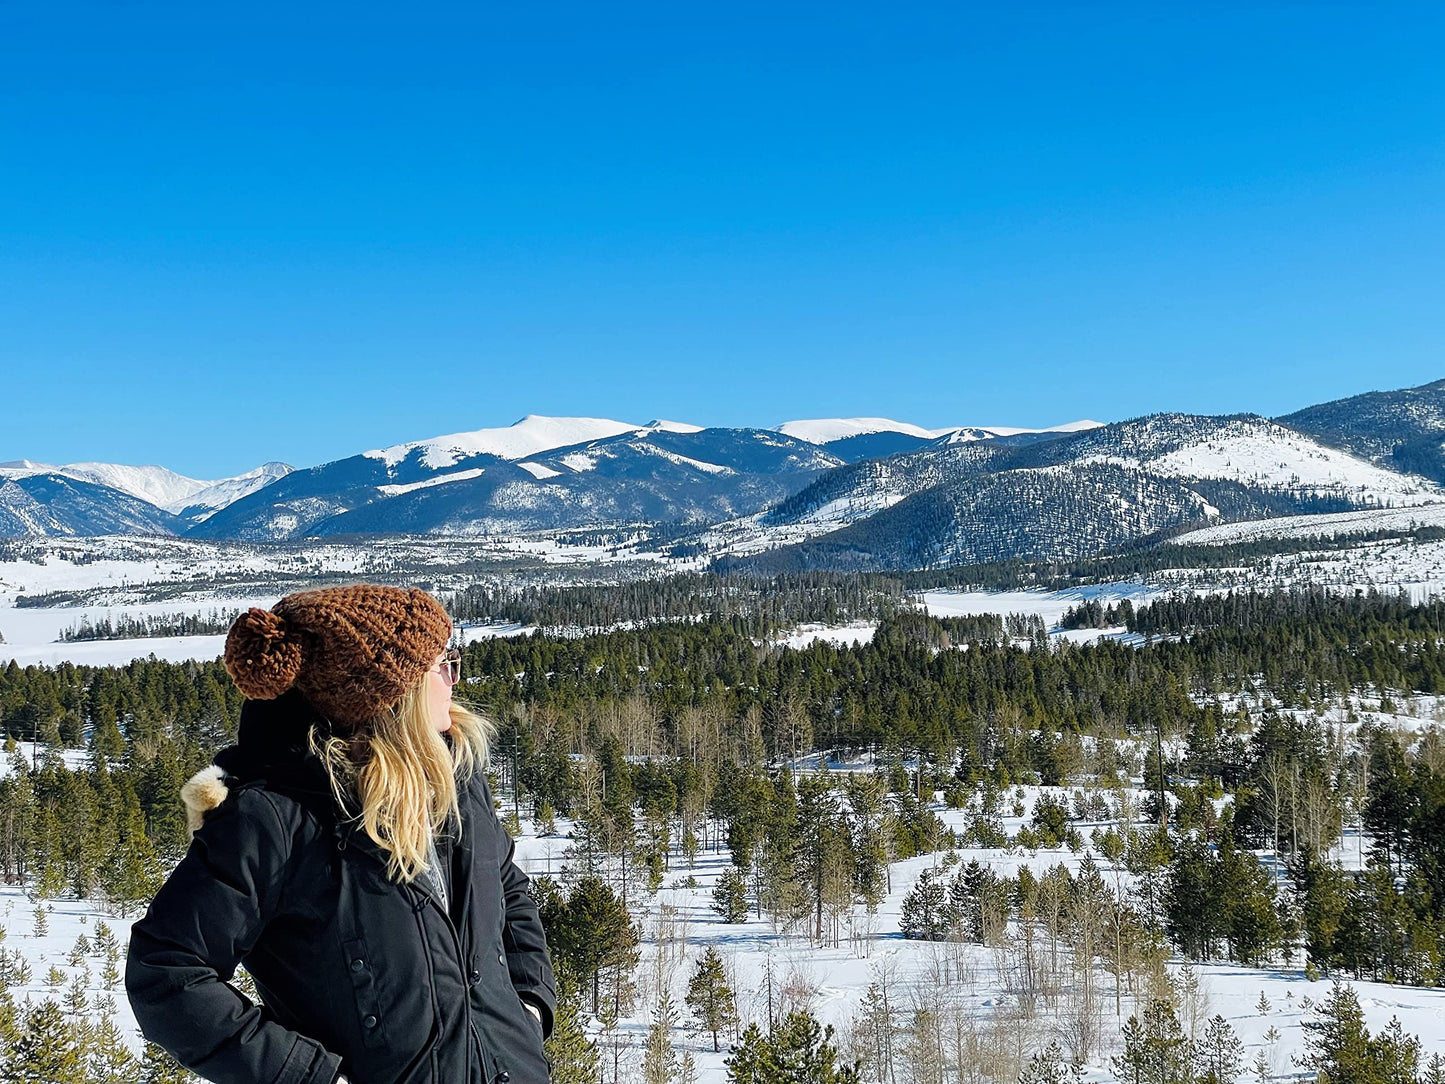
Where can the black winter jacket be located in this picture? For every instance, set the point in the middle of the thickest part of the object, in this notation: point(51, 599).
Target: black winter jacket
point(357, 974)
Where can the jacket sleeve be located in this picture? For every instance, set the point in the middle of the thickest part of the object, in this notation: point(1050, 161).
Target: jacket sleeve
point(206, 918)
point(528, 963)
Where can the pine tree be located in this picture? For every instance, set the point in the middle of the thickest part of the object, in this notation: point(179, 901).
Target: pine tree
point(751, 1060)
point(573, 1055)
point(798, 1051)
point(1049, 1067)
point(1155, 1048)
point(132, 875)
point(108, 1060)
point(76, 1003)
point(591, 933)
point(158, 1067)
point(730, 896)
point(923, 917)
point(1395, 1056)
point(804, 1052)
point(1338, 1046)
point(9, 1022)
point(110, 972)
point(1129, 1064)
point(46, 1051)
point(710, 997)
point(1219, 1054)
point(104, 942)
point(659, 1059)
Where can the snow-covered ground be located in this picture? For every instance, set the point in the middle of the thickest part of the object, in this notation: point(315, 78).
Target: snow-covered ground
point(129, 576)
point(839, 976)
point(857, 633)
point(1318, 526)
point(32, 634)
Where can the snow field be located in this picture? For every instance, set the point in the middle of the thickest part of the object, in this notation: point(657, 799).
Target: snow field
point(832, 981)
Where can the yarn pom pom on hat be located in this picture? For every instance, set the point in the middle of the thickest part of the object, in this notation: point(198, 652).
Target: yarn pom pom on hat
point(352, 652)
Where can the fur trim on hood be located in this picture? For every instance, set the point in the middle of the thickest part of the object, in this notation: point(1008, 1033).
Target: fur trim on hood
point(202, 793)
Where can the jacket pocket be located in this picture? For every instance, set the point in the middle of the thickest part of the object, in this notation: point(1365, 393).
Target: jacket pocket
point(531, 1018)
point(363, 986)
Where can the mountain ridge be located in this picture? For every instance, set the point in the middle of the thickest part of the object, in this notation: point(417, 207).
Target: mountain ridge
point(867, 492)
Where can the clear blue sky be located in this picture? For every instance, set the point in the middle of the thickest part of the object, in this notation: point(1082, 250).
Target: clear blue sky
point(301, 231)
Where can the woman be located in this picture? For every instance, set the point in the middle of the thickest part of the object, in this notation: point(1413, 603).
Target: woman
point(346, 851)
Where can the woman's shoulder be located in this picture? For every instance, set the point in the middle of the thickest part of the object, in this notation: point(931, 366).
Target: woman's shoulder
point(213, 795)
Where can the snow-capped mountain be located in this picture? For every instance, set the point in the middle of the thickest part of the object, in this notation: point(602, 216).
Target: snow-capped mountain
point(854, 439)
point(204, 502)
point(494, 481)
point(34, 502)
point(153, 484)
point(821, 493)
point(165, 489)
point(520, 440)
point(1076, 494)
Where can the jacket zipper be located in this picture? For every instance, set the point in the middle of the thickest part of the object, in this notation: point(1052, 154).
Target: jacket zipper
point(466, 975)
point(431, 971)
point(432, 982)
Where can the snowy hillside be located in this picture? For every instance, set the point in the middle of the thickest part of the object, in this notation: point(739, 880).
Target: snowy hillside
point(34, 502)
point(1069, 496)
point(1401, 429)
point(520, 440)
point(1326, 525)
point(1264, 455)
point(217, 495)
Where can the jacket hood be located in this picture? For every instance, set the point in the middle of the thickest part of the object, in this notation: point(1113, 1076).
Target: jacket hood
point(271, 745)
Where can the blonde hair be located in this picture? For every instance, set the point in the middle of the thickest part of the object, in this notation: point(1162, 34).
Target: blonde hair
point(399, 776)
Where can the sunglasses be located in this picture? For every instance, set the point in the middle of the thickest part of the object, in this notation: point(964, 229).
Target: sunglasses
point(450, 667)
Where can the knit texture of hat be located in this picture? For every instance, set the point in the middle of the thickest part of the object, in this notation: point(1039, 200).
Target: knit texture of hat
point(352, 652)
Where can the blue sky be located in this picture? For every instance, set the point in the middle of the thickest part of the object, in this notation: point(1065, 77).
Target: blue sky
point(253, 232)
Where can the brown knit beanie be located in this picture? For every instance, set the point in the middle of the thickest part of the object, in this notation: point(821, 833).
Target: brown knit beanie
point(351, 651)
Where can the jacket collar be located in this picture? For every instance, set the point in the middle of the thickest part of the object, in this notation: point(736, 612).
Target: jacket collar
point(272, 745)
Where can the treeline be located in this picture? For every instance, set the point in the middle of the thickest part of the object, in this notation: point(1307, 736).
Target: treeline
point(755, 606)
point(706, 690)
point(661, 689)
point(145, 727)
point(1185, 613)
point(135, 627)
point(1365, 615)
point(1093, 614)
point(1145, 557)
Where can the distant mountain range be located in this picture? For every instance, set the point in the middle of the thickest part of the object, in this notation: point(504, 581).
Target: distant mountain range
point(819, 493)
point(108, 498)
